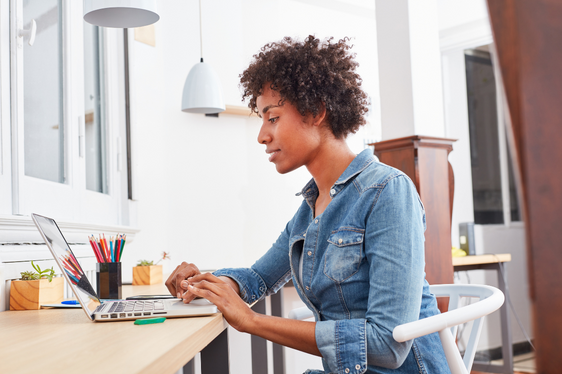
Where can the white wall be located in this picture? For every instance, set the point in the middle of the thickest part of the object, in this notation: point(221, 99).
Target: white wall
point(453, 13)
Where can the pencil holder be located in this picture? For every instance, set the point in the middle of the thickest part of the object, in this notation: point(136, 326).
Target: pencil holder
point(108, 280)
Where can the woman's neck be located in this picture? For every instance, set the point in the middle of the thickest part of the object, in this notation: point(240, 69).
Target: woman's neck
point(329, 164)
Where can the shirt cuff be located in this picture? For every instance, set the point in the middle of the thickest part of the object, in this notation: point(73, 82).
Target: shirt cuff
point(252, 286)
point(343, 345)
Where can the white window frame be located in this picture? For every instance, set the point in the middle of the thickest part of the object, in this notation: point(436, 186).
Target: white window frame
point(69, 200)
point(70, 203)
point(468, 36)
point(5, 157)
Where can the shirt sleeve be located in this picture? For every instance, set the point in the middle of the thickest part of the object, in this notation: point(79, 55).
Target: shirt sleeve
point(268, 274)
point(394, 250)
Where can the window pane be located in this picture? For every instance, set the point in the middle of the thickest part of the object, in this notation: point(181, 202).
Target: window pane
point(484, 143)
point(94, 107)
point(42, 76)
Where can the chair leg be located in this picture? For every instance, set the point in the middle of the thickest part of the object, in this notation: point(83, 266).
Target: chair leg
point(456, 365)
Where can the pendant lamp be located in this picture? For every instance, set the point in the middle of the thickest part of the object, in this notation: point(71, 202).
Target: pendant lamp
point(202, 91)
point(120, 13)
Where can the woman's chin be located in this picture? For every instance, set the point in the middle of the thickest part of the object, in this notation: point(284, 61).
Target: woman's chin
point(284, 169)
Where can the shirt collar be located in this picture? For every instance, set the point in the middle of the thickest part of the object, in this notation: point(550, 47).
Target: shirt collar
point(359, 163)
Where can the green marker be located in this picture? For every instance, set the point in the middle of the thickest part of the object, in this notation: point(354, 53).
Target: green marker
point(149, 321)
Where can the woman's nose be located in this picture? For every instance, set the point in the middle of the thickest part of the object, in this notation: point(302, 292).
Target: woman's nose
point(264, 137)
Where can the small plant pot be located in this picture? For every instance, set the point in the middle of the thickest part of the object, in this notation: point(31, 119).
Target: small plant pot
point(146, 275)
point(31, 294)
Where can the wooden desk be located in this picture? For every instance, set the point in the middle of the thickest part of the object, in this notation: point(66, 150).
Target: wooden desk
point(461, 263)
point(65, 341)
point(493, 262)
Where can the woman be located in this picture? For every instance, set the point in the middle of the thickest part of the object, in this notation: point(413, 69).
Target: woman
point(354, 248)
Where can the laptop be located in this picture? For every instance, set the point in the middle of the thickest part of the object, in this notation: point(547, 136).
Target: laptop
point(111, 310)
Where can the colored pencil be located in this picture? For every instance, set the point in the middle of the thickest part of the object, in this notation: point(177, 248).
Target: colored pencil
point(100, 249)
point(106, 250)
point(123, 239)
point(98, 255)
point(102, 245)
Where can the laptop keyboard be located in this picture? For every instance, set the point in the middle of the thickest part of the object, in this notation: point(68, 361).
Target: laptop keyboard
point(133, 308)
point(136, 306)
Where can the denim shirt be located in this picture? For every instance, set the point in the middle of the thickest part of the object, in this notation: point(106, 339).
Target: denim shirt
point(363, 271)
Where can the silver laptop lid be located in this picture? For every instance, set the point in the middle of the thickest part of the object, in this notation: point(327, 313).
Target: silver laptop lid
point(68, 263)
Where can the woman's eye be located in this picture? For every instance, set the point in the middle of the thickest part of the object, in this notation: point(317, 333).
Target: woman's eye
point(273, 120)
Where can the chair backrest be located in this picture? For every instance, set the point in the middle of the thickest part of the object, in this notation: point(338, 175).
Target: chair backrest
point(490, 299)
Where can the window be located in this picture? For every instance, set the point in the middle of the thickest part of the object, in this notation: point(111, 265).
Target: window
point(94, 110)
point(65, 97)
point(493, 186)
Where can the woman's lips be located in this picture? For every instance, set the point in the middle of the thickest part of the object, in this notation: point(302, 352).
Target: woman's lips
point(273, 155)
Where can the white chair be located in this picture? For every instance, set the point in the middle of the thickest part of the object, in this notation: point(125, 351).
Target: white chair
point(446, 323)
point(490, 299)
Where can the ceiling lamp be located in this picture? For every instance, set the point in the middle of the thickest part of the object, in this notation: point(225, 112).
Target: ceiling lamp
point(120, 13)
point(202, 91)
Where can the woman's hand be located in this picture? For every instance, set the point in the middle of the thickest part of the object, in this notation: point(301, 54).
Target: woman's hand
point(181, 273)
point(223, 295)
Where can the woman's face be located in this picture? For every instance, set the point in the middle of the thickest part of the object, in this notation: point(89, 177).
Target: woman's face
point(291, 140)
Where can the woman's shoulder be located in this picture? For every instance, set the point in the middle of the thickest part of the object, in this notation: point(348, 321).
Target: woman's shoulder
point(378, 175)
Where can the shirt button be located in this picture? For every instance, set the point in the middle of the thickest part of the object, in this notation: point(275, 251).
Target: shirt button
point(332, 192)
point(357, 367)
point(304, 234)
point(309, 253)
point(315, 221)
point(347, 370)
point(340, 241)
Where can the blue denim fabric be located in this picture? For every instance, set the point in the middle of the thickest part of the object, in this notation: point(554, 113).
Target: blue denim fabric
point(363, 271)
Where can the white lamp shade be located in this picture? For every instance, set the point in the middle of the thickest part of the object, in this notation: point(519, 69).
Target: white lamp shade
point(120, 13)
point(202, 91)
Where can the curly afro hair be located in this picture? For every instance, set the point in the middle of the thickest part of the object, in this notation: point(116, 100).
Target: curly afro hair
point(310, 74)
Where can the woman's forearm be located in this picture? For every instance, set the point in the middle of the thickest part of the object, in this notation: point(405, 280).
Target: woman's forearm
point(299, 335)
point(224, 292)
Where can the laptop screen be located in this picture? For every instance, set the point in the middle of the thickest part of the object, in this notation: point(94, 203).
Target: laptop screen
point(68, 263)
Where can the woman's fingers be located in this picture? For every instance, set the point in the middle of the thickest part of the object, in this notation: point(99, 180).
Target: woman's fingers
point(220, 293)
point(182, 272)
point(209, 288)
point(170, 284)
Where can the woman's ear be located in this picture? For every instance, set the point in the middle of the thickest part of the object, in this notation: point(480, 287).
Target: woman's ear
point(321, 116)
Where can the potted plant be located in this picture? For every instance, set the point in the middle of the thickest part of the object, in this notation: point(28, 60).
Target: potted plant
point(36, 288)
point(147, 272)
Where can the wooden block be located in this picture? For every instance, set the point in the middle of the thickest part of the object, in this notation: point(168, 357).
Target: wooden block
point(146, 275)
point(25, 295)
point(238, 110)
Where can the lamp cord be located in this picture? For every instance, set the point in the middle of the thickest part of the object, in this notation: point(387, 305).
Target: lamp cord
point(200, 31)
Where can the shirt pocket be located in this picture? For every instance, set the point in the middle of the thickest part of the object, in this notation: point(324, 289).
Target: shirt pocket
point(344, 254)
